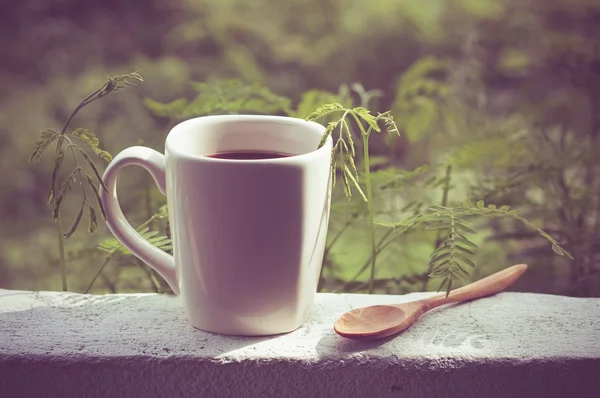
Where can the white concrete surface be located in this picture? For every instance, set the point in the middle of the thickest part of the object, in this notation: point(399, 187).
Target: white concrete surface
point(510, 345)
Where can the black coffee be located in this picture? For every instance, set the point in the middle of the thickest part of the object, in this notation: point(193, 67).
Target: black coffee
point(249, 155)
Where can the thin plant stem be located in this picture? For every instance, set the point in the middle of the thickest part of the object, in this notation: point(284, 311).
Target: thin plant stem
point(383, 243)
point(108, 283)
point(151, 278)
point(438, 240)
point(109, 86)
point(148, 198)
point(370, 211)
point(106, 261)
point(340, 232)
point(59, 229)
point(106, 89)
point(112, 252)
point(79, 168)
point(61, 253)
point(150, 273)
point(370, 217)
point(380, 246)
point(410, 279)
point(79, 107)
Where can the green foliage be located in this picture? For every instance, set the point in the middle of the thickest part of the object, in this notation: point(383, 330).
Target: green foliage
point(453, 258)
point(112, 246)
point(345, 152)
point(222, 97)
point(505, 96)
point(87, 136)
point(113, 249)
point(450, 259)
point(47, 138)
point(58, 191)
point(343, 149)
point(419, 91)
point(454, 253)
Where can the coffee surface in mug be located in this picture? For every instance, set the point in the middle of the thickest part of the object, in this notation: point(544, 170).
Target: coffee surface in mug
point(249, 155)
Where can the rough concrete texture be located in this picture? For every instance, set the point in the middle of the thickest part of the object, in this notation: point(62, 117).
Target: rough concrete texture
point(509, 345)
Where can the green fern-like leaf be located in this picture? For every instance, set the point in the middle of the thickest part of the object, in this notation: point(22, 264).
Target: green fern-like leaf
point(76, 221)
point(492, 211)
point(233, 96)
point(365, 115)
point(93, 221)
point(222, 96)
point(397, 178)
point(419, 102)
point(87, 136)
point(58, 160)
point(344, 152)
point(330, 127)
point(171, 110)
point(163, 213)
point(46, 138)
point(352, 177)
point(111, 245)
point(389, 123)
point(325, 110)
point(456, 255)
point(120, 81)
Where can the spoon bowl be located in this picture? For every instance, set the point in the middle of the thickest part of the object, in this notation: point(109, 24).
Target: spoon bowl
point(375, 317)
point(379, 321)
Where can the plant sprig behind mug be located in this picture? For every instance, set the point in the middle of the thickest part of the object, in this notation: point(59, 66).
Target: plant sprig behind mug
point(86, 177)
point(344, 152)
point(454, 256)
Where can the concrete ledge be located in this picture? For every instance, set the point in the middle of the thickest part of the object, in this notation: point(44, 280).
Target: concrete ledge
point(510, 345)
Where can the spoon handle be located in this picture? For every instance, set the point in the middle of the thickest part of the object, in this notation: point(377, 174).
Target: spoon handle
point(484, 287)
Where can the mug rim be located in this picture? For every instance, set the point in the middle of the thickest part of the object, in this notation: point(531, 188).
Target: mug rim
point(172, 150)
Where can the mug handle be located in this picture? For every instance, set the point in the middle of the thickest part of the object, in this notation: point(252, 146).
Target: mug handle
point(154, 163)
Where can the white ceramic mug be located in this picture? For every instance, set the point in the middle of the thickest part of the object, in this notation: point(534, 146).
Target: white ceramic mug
point(248, 235)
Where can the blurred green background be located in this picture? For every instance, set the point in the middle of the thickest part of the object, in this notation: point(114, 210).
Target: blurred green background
point(507, 92)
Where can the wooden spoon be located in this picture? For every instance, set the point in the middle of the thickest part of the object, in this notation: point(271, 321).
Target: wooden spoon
point(380, 321)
